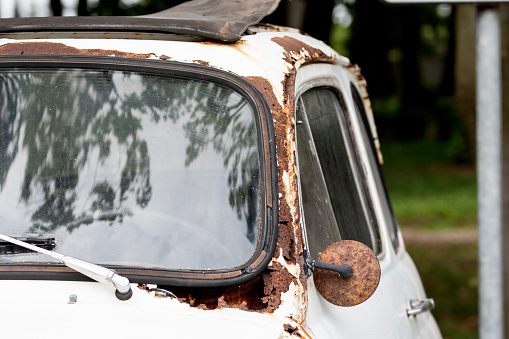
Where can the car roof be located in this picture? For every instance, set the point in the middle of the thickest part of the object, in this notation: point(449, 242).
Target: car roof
point(213, 19)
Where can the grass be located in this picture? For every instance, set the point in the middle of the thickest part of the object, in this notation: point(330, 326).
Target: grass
point(429, 193)
point(449, 274)
point(339, 37)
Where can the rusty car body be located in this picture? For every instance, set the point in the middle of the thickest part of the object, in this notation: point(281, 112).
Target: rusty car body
point(93, 110)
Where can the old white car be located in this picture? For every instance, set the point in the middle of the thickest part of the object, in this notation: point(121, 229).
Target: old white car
point(193, 173)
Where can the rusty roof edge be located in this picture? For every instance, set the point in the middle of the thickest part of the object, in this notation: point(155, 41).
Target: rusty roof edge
point(362, 86)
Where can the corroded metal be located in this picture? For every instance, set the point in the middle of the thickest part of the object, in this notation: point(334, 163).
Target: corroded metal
point(363, 91)
point(296, 50)
point(360, 286)
point(55, 48)
point(247, 296)
point(287, 266)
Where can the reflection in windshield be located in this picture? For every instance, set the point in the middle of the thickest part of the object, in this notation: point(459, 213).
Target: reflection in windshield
point(129, 169)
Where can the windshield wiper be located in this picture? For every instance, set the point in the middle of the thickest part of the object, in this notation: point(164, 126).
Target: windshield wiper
point(98, 273)
point(9, 248)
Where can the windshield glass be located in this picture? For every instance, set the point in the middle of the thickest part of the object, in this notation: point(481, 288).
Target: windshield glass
point(127, 168)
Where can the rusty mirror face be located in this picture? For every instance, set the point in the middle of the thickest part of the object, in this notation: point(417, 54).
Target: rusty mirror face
point(343, 286)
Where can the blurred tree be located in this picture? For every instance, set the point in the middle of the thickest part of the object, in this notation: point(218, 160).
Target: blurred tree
point(108, 7)
point(372, 36)
point(464, 75)
point(318, 19)
point(56, 7)
point(447, 86)
point(407, 56)
point(83, 8)
point(118, 7)
point(315, 19)
point(153, 6)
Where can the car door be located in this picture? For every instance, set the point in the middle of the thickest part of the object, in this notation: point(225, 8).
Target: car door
point(343, 198)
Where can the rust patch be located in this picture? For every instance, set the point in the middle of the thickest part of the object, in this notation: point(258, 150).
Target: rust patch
point(264, 27)
point(363, 282)
point(296, 330)
point(292, 330)
point(276, 280)
point(157, 292)
point(361, 81)
point(280, 126)
point(363, 91)
point(54, 48)
point(248, 296)
point(201, 62)
point(287, 244)
point(290, 237)
point(221, 303)
point(296, 49)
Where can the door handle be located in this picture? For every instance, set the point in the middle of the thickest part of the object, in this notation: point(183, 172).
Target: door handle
point(418, 306)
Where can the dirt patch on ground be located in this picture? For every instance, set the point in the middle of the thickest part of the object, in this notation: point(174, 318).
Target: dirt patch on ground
point(453, 236)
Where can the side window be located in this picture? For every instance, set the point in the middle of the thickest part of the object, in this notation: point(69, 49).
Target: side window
point(334, 202)
point(390, 220)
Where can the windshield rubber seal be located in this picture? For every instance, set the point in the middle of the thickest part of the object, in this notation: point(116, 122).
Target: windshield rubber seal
point(267, 239)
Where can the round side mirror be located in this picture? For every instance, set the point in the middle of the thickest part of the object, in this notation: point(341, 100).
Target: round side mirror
point(360, 285)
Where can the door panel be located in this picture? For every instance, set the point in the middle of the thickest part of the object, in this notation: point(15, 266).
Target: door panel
point(343, 197)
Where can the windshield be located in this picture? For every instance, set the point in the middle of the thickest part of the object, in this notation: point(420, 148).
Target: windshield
point(126, 168)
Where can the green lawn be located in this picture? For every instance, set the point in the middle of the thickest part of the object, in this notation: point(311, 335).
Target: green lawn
point(426, 191)
point(429, 193)
point(449, 274)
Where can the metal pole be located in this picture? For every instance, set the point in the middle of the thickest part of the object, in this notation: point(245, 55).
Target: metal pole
point(489, 169)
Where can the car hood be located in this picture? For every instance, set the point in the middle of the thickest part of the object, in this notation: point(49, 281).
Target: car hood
point(43, 309)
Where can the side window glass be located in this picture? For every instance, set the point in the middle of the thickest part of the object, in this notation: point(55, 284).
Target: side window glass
point(390, 220)
point(334, 204)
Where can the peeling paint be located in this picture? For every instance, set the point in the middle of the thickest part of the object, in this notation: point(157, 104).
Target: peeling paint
point(56, 48)
point(201, 62)
point(288, 263)
point(248, 296)
point(296, 330)
point(363, 91)
point(297, 51)
point(156, 292)
point(293, 330)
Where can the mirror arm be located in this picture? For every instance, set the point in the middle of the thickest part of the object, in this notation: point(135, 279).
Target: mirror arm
point(345, 271)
